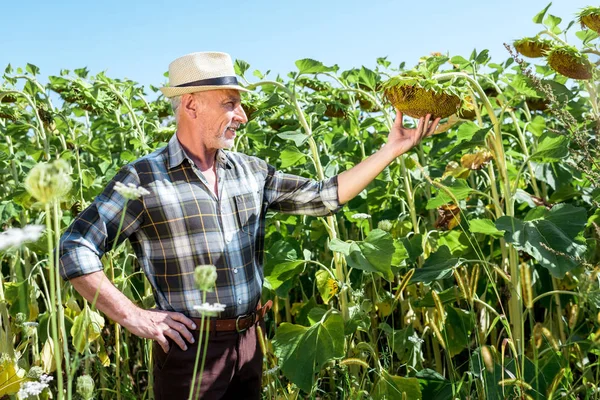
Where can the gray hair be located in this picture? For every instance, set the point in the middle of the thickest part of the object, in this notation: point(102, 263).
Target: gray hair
point(175, 103)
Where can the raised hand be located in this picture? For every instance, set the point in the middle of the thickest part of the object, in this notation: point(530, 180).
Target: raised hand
point(402, 139)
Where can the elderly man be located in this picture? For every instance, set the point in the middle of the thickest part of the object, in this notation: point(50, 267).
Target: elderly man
point(204, 206)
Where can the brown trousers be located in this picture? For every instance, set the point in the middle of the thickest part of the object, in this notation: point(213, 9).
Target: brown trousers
point(233, 368)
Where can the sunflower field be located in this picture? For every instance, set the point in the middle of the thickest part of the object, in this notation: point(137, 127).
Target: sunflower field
point(469, 269)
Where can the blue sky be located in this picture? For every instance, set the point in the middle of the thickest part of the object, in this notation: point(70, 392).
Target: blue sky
point(137, 39)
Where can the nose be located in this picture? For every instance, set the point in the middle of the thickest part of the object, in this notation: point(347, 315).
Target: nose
point(240, 114)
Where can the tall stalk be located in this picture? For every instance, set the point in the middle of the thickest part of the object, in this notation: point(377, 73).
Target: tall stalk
point(52, 302)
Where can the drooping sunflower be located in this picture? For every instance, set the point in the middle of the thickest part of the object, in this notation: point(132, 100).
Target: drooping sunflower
point(417, 92)
point(533, 47)
point(568, 61)
point(589, 17)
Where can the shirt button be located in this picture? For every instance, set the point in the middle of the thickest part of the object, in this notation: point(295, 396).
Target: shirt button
point(240, 301)
point(235, 270)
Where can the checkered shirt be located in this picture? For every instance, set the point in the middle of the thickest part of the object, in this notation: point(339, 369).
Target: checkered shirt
point(181, 224)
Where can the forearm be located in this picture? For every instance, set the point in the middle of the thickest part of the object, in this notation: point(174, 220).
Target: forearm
point(110, 300)
point(354, 180)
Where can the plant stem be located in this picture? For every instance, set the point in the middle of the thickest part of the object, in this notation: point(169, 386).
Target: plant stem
point(199, 344)
point(61, 310)
point(52, 302)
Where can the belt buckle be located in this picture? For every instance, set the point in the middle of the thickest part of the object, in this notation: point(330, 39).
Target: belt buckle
point(237, 322)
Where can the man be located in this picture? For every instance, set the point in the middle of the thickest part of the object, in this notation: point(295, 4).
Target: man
point(205, 206)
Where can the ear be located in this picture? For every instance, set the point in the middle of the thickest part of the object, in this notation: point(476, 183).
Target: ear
point(190, 105)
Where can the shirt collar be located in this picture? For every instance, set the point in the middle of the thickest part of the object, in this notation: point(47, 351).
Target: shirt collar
point(177, 154)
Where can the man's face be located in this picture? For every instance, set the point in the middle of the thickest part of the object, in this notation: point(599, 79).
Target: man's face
point(221, 114)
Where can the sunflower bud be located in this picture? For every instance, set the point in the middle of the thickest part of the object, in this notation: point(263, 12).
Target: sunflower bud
point(205, 276)
point(49, 182)
point(85, 387)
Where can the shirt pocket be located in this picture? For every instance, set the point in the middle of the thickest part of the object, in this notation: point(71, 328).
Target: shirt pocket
point(248, 211)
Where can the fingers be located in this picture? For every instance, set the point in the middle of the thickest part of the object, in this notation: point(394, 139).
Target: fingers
point(163, 342)
point(182, 318)
point(181, 329)
point(433, 127)
point(173, 334)
point(399, 122)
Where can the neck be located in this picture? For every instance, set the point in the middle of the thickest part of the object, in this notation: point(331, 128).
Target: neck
point(201, 155)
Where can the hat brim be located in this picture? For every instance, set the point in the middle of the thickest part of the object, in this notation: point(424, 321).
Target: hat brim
point(178, 91)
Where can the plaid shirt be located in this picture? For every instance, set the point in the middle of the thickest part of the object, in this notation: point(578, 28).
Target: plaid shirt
point(181, 224)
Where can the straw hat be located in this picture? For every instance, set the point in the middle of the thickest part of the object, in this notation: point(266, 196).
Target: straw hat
point(199, 72)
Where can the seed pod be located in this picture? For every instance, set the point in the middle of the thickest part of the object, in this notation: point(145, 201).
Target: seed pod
point(461, 285)
point(554, 385)
point(573, 315)
point(488, 358)
point(474, 279)
point(526, 286)
point(437, 334)
point(439, 307)
point(354, 361)
point(553, 343)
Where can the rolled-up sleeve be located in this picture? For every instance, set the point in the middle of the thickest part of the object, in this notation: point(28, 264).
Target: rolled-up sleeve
point(294, 194)
point(94, 230)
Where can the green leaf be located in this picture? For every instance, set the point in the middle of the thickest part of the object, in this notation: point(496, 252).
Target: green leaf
point(298, 137)
point(537, 125)
point(397, 387)
point(539, 17)
point(485, 226)
point(310, 66)
point(240, 67)
point(438, 266)
point(586, 36)
point(277, 274)
point(368, 78)
point(323, 278)
point(86, 328)
point(552, 22)
point(549, 236)
point(460, 61)
point(551, 147)
point(458, 187)
point(32, 69)
point(400, 253)
point(414, 246)
point(303, 351)
point(457, 330)
point(291, 156)
point(374, 254)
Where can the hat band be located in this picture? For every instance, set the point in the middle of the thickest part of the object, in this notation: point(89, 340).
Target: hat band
point(221, 81)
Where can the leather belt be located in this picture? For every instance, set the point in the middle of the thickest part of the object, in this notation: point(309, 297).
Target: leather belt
point(239, 324)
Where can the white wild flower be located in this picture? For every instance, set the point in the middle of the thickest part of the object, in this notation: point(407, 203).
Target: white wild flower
point(130, 191)
point(210, 310)
point(35, 388)
point(17, 236)
point(361, 216)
